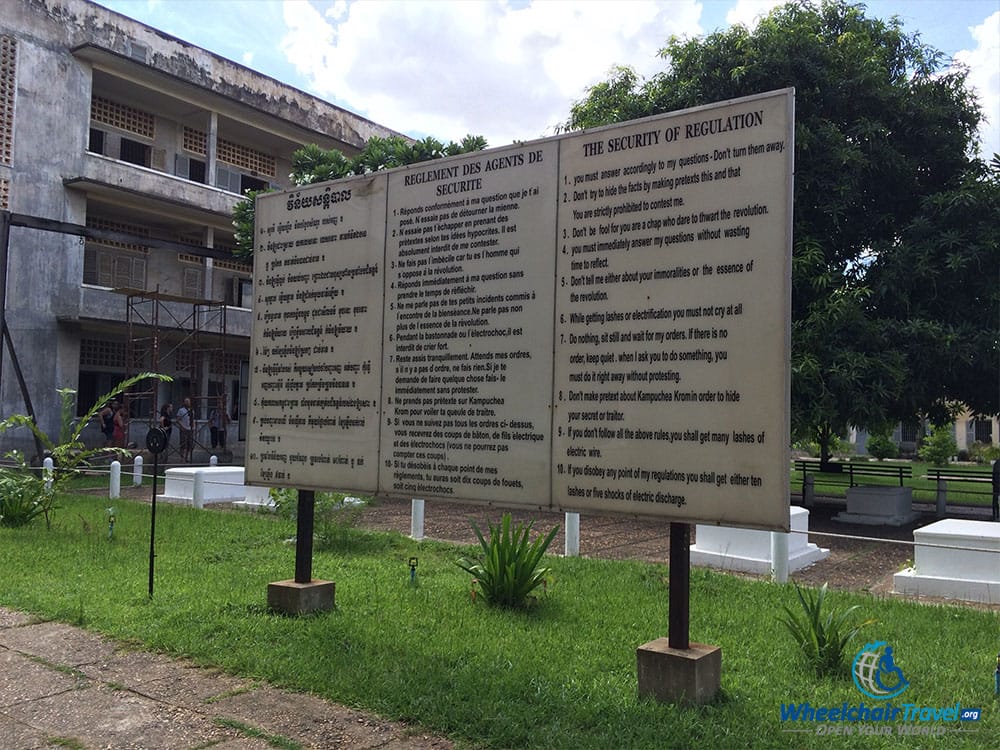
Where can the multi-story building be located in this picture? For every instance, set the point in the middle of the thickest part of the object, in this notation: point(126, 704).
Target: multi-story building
point(148, 142)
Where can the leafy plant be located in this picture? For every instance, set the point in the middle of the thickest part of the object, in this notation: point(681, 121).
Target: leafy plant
point(940, 446)
point(26, 494)
point(20, 502)
point(508, 571)
point(984, 453)
point(880, 445)
point(821, 632)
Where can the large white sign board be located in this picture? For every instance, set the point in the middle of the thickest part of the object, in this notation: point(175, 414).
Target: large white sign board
point(597, 322)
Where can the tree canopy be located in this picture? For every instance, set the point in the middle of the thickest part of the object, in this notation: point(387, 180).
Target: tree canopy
point(889, 200)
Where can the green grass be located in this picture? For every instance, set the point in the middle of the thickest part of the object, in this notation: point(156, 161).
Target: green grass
point(924, 490)
point(561, 675)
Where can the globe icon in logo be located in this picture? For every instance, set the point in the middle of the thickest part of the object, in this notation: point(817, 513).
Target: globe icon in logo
point(876, 674)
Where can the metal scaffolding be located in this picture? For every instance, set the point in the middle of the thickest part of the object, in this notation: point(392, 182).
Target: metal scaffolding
point(189, 334)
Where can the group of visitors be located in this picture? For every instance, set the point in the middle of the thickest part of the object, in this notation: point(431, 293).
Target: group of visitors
point(114, 420)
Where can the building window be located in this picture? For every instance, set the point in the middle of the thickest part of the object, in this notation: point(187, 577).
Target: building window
point(983, 430)
point(4, 195)
point(190, 169)
point(91, 385)
point(193, 285)
point(134, 152)
point(106, 267)
point(97, 139)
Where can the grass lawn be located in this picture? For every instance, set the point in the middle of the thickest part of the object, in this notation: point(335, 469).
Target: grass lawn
point(560, 676)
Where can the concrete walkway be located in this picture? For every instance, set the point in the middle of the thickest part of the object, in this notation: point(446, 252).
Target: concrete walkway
point(61, 686)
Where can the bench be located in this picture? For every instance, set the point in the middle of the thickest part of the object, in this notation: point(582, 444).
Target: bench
point(853, 470)
point(867, 503)
point(961, 474)
point(971, 474)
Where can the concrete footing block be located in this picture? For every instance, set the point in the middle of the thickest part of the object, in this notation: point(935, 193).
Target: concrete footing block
point(690, 676)
point(293, 598)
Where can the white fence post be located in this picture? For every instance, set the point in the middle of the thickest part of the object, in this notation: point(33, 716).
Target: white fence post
point(572, 535)
point(137, 471)
point(213, 460)
point(779, 556)
point(47, 468)
point(198, 490)
point(116, 480)
point(416, 519)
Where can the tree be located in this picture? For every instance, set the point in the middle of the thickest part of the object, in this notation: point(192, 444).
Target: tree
point(937, 292)
point(881, 128)
point(312, 164)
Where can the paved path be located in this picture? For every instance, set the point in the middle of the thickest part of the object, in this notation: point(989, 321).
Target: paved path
point(61, 686)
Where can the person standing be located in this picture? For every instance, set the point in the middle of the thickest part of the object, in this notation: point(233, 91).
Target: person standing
point(167, 419)
point(185, 426)
point(107, 416)
point(118, 429)
point(218, 420)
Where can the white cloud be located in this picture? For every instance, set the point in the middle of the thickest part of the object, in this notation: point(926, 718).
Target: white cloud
point(509, 72)
point(984, 76)
point(749, 12)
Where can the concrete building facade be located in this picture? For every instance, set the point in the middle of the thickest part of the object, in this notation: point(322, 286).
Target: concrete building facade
point(112, 125)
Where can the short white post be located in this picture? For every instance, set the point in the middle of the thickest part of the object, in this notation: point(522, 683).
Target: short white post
point(116, 480)
point(572, 535)
point(213, 460)
point(47, 468)
point(137, 472)
point(779, 557)
point(198, 490)
point(417, 519)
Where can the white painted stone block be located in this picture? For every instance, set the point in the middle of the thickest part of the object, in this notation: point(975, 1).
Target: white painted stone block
point(729, 548)
point(963, 563)
point(222, 484)
point(879, 506)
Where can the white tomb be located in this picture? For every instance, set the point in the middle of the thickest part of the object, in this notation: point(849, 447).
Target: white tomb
point(219, 484)
point(749, 550)
point(963, 563)
point(879, 506)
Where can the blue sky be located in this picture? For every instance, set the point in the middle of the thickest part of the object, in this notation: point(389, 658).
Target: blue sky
point(508, 70)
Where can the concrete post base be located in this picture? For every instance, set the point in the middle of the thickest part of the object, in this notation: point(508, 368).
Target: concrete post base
point(687, 676)
point(292, 598)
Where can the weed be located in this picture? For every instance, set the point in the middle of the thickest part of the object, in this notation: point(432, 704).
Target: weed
point(274, 740)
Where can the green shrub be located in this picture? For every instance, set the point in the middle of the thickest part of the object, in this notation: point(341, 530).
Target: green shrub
point(880, 445)
point(939, 446)
point(508, 571)
point(822, 636)
point(984, 453)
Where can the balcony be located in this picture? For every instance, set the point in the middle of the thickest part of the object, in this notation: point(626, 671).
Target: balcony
point(115, 181)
